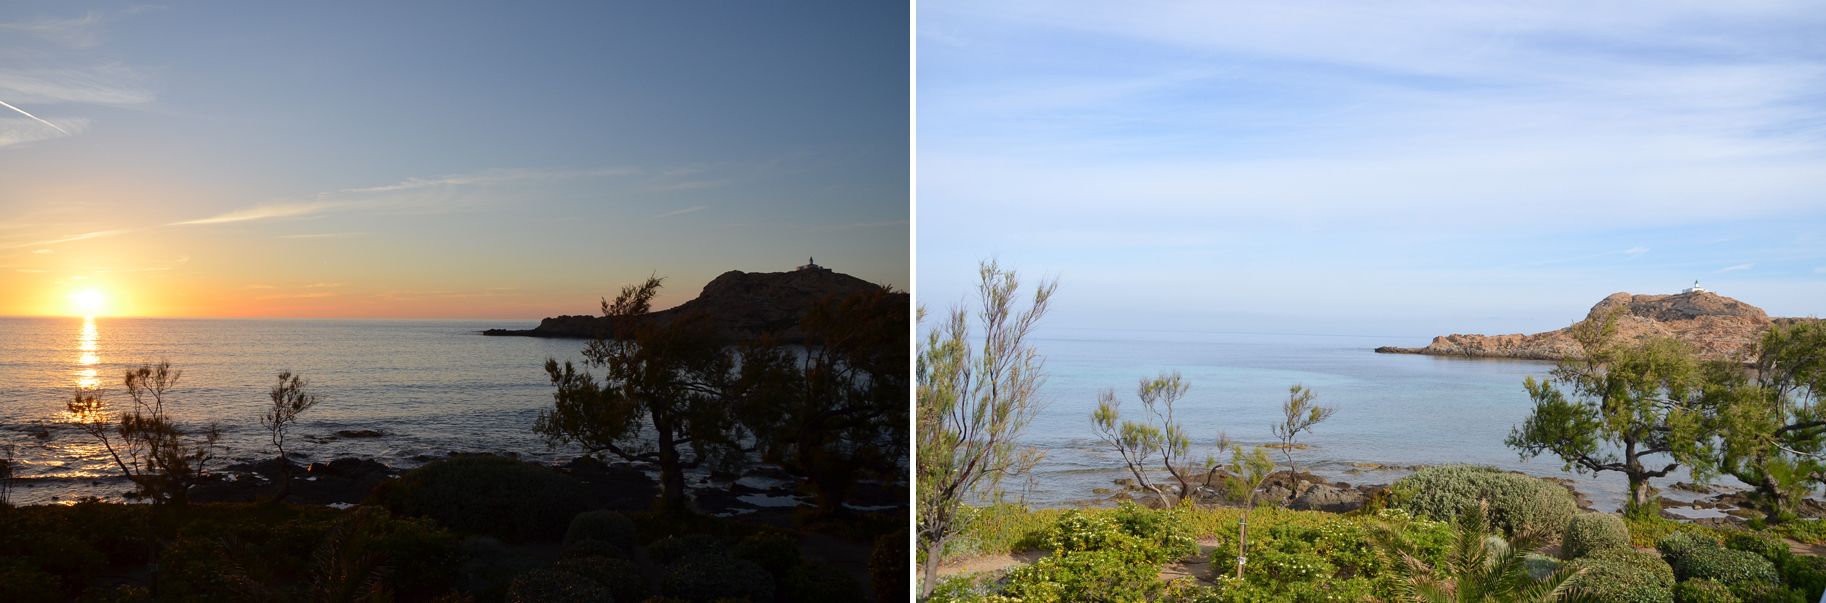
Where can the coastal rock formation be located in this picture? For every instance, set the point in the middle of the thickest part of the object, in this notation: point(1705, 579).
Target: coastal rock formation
point(1717, 326)
point(740, 305)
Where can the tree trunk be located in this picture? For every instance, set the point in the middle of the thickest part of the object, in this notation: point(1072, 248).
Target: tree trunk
point(671, 475)
point(1772, 491)
point(1639, 496)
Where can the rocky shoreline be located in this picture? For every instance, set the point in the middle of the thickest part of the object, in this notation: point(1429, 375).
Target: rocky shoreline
point(1718, 327)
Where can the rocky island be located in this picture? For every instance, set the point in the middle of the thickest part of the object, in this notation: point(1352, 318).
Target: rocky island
point(740, 305)
point(1717, 326)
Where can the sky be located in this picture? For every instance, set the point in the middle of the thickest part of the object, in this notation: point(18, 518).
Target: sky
point(1381, 169)
point(441, 160)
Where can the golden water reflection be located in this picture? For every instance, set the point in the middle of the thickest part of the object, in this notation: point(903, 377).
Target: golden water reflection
point(88, 375)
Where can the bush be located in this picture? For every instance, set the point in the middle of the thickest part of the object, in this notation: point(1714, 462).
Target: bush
point(819, 583)
point(547, 586)
point(1517, 502)
point(620, 576)
point(706, 578)
point(499, 496)
point(776, 552)
point(1726, 566)
point(489, 567)
point(1116, 576)
point(1588, 532)
point(888, 567)
point(1805, 573)
point(1703, 591)
point(1676, 545)
point(1164, 533)
point(591, 547)
point(672, 549)
point(1763, 545)
point(22, 582)
point(1624, 575)
point(1761, 592)
point(608, 526)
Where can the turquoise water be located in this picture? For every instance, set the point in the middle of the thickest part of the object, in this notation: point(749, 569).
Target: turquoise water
point(432, 386)
point(1393, 409)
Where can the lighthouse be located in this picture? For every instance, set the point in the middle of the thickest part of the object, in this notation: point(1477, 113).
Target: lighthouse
point(1694, 289)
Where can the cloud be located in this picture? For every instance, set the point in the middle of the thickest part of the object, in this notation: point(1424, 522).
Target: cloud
point(296, 296)
point(682, 211)
point(1819, 270)
point(20, 131)
point(264, 212)
point(323, 285)
point(1737, 267)
point(487, 177)
point(80, 237)
point(327, 235)
point(42, 251)
point(260, 287)
point(1635, 251)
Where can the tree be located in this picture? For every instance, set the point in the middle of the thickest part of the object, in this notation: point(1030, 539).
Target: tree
point(1480, 568)
point(972, 404)
point(1247, 472)
point(1137, 443)
point(161, 457)
point(1770, 419)
point(839, 408)
point(672, 377)
point(290, 399)
point(1300, 414)
point(1628, 403)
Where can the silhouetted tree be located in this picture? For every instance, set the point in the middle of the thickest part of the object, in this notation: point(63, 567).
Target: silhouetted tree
point(162, 458)
point(671, 376)
point(290, 399)
point(839, 408)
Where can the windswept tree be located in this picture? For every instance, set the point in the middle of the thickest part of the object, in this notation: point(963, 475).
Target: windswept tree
point(291, 397)
point(1628, 403)
point(163, 458)
point(976, 392)
point(665, 389)
point(1771, 422)
point(1299, 414)
point(837, 411)
point(1157, 437)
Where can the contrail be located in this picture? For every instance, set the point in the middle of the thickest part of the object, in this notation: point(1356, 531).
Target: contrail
point(22, 112)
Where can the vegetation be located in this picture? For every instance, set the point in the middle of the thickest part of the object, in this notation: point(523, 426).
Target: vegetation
point(971, 406)
point(1518, 503)
point(1299, 415)
point(1480, 566)
point(1588, 533)
point(498, 496)
point(607, 526)
point(162, 458)
point(290, 399)
point(1628, 403)
point(620, 576)
point(666, 386)
point(1157, 434)
point(1771, 420)
point(1623, 575)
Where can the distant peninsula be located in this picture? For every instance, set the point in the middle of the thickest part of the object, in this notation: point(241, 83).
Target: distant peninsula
point(1717, 326)
point(740, 305)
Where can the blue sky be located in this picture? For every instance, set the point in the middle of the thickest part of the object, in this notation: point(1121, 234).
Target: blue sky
point(443, 159)
point(1402, 169)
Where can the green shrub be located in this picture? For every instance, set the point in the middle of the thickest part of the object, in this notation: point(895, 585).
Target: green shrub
point(1517, 502)
point(1624, 575)
point(1081, 530)
point(1701, 590)
point(547, 586)
point(498, 496)
point(812, 582)
point(1806, 574)
point(888, 567)
point(22, 582)
point(1764, 545)
point(607, 526)
point(620, 576)
point(671, 549)
point(706, 578)
point(488, 567)
point(1115, 576)
point(776, 552)
point(1724, 565)
point(1588, 532)
point(656, 525)
point(1762, 592)
point(1540, 566)
point(591, 547)
point(1676, 545)
point(1164, 533)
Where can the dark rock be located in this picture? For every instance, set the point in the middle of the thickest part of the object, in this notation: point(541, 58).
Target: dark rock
point(619, 486)
point(359, 433)
point(1324, 497)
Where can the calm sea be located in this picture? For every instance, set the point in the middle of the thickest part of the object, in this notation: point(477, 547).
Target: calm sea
point(1393, 409)
point(431, 386)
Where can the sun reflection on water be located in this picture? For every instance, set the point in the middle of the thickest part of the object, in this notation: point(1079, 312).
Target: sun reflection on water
point(88, 375)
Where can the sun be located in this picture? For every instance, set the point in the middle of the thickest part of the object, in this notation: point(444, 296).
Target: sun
point(89, 301)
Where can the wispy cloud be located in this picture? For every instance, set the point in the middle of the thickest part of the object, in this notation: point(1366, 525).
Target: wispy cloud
point(260, 287)
point(319, 285)
point(860, 225)
point(1635, 251)
point(494, 176)
point(265, 212)
point(81, 237)
point(1821, 270)
point(327, 235)
point(40, 120)
point(42, 251)
point(1737, 267)
point(296, 296)
point(682, 211)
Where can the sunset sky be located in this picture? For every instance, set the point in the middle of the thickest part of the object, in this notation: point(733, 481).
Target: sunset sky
point(1338, 167)
point(480, 160)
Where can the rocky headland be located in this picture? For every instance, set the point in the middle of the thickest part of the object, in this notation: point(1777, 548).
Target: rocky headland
point(1717, 326)
point(739, 304)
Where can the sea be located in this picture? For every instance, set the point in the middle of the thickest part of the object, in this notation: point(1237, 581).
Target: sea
point(430, 387)
point(1394, 411)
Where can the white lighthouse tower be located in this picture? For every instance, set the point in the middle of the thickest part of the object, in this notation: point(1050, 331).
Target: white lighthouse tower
point(1694, 289)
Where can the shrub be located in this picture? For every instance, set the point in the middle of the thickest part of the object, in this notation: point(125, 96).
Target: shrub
point(607, 526)
point(706, 578)
point(620, 576)
point(1676, 545)
point(1116, 576)
point(547, 586)
point(1163, 533)
point(1724, 565)
point(1588, 532)
point(812, 582)
point(1702, 590)
point(1761, 592)
point(591, 547)
point(489, 567)
point(888, 567)
point(1805, 573)
point(1517, 502)
point(499, 496)
point(671, 549)
point(1763, 545)
point(23, 582)
point(776, 552)
point(1624, 575)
